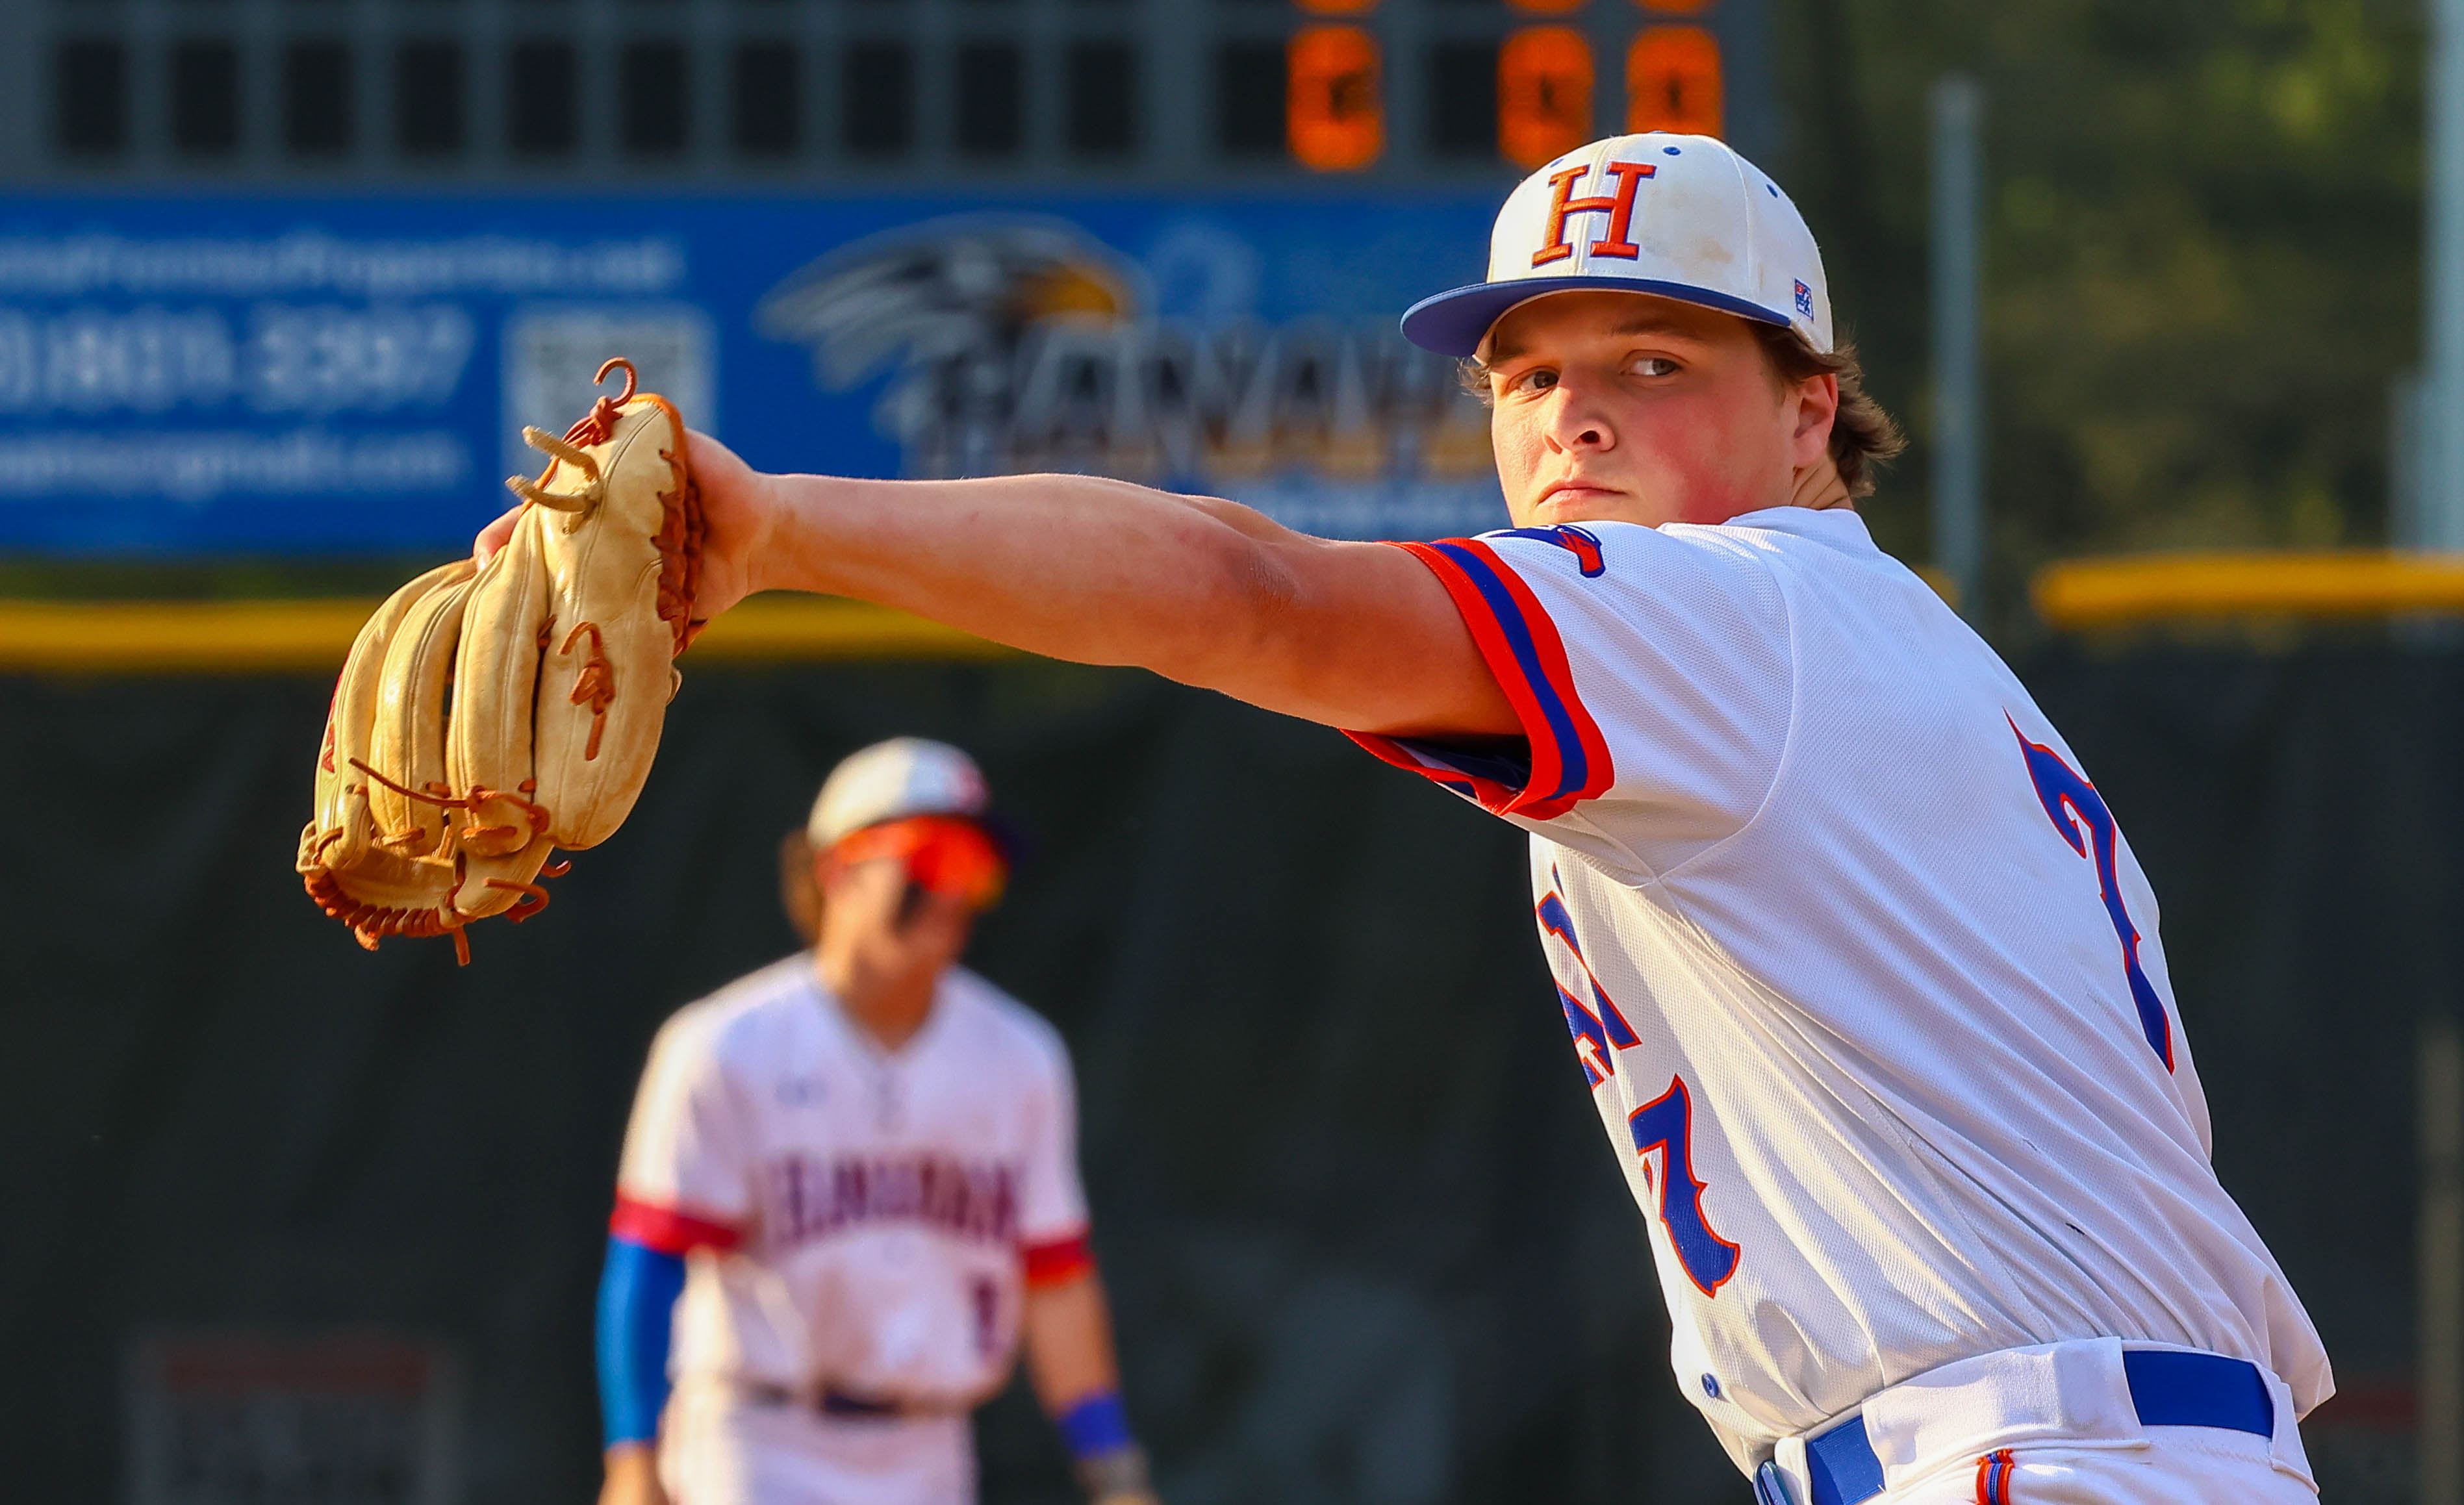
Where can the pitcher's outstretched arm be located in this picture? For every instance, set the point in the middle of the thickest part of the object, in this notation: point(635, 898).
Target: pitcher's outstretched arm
point(1096, 571)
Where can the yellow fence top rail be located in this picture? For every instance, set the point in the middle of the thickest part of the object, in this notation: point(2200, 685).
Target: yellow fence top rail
point(2116, 592)
point(72, 637)
point(314, 635)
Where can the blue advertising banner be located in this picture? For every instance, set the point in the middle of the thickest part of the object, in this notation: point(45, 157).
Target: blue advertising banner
point(351, 375)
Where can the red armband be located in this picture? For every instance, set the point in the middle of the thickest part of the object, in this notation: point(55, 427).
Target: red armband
point(1058, 1262)
point(666, 1230)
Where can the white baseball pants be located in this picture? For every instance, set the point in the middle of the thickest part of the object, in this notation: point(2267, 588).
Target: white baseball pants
point(717, 1448)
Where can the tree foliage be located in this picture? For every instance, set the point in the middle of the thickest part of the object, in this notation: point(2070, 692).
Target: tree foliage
point(2202, 251)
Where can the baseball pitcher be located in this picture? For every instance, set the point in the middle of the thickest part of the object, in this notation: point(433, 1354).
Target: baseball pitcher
point(850, 1184)
point(1864, 978)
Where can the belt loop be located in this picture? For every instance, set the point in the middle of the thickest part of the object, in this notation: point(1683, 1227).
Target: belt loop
point(1789, 1458)
point(2284, 1450)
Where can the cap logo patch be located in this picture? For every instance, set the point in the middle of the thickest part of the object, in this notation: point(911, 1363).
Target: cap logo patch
point(1619, 209)
point(1805, 301)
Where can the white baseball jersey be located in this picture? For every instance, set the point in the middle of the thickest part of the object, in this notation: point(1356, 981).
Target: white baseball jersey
point(1864, 978)
point(860, 1221)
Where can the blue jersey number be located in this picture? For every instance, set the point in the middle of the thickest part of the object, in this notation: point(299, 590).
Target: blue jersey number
point(2073, 803)
point(1598, 1030)
point(1665, 1124)
point(1663, 1127)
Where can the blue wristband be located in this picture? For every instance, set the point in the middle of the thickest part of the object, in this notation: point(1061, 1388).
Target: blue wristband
point(1099, 1424)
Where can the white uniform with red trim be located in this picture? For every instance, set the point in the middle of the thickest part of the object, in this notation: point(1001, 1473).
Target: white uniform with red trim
point(858, 1224)
point(1865, 981)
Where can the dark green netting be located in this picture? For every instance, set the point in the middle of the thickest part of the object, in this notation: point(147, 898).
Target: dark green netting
point(1363, 1236)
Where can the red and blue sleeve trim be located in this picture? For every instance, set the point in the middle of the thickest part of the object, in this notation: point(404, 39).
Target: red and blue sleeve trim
point(1519, 642)
point(668, 1230)
point(1057, 1261)
point(1492, 783)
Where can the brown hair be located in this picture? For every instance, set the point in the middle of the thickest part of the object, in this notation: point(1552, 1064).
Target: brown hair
point(1863, 435)
point(800, 894)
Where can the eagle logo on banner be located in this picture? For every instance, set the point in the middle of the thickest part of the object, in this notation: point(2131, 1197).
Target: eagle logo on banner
point(1018, 342)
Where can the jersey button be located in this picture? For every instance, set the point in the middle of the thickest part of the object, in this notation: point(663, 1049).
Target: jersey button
point(1711, 1386)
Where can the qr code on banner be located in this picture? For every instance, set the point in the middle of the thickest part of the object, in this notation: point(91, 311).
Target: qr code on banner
point(550, 354)
point(250, 1418)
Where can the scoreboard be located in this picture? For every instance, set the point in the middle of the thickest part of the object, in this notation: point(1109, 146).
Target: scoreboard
point(1525, 95)
point(290, 278)
point(808, 93)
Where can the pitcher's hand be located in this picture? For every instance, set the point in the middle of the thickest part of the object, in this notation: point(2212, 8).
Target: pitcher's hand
point(738, 508)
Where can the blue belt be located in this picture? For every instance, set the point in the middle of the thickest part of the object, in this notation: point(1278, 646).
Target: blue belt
point(2168, 1388)
point(838, 1403)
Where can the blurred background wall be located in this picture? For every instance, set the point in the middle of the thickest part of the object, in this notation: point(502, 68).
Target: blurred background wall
point(1363, 1238)
point(280, 279)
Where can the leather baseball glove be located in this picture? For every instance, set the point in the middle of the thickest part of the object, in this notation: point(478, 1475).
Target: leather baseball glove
point(487, 717)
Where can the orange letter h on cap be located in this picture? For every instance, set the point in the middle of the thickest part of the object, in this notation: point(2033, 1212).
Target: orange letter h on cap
point(1629, 176)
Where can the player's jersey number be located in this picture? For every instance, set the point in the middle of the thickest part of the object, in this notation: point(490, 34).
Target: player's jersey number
point(1666, 1125)
point(1663, 1127)
point(2080, 813)
point(1598, 1029)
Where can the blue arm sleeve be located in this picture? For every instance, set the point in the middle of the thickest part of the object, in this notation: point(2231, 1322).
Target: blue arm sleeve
point(637, 1306)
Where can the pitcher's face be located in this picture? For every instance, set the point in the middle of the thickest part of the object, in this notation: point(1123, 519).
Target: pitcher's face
point(1631, 407)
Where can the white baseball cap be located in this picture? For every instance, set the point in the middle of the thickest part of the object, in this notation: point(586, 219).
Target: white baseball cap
point(894, 779)
point(1682, 217)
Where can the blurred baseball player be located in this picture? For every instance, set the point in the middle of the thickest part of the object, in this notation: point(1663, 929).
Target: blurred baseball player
point(1865, 979)
point(849, 1183)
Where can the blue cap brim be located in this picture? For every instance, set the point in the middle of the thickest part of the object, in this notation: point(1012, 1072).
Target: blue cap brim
point(1453, 323)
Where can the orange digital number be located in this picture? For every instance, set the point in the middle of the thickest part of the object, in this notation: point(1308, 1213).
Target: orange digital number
point(1544, 94)
point(1672, 81)
point(1337, 7)
point(1548, 7)
point(1676, 6)
point(1335, 117)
